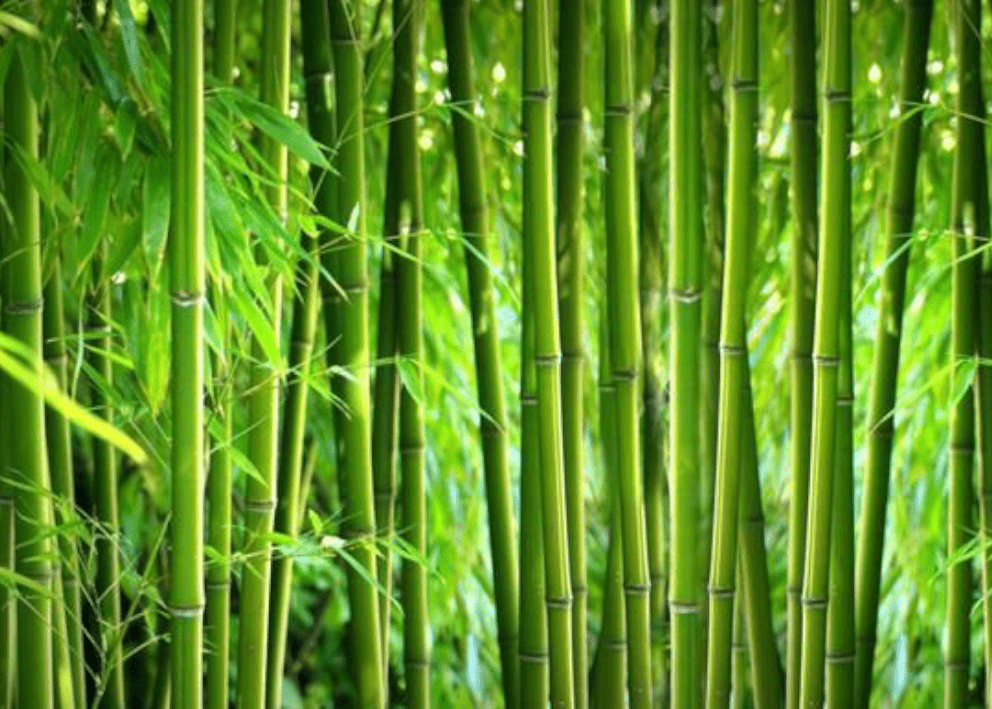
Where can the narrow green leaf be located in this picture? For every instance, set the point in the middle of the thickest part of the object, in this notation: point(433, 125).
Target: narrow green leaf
point(156, 203)
point(129, 35)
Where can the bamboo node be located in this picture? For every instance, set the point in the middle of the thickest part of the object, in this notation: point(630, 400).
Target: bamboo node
point(618, 644)
point(551, 359)
point(569, 117)
point(866, 639)
point(188, 299)
point(826, 361)
point(683, 608)
point(412, 448)
point(260, 506)
point(417, 663)
point(25, 307)
point(732, 350)
point(218, 585)
point(637, 589)
point(837, 95)
point(528, 400)
point(814, 603)
point(534, 658)
point(721, 592)
point(804, 118)
point(619, 110)
point(192, 612)
point(962, 448)
point(558, 602)
point(845, 400)
point(794, 591)
point(625, 375)
point(572, 356)
point(541, 93)
point(956, 664)
point(744, 85)
point(688, 295)
point(845, 658)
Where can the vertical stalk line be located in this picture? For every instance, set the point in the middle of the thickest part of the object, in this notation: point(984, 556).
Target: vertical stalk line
point(685, 273)
point(571, 291)
point(407, 18)
point(492, 421)
point(27, 463)
point(263, 450)
point(539, 253)
point(964, 217)
point(609, 675)
point(652, 269)
point(105, 480)
point(740, 240)
point(58, 438)
point(219, 488)
point(804, 139)
point(623, 312)
point(766, 667)
point(533, 655)
point(8, 604)
point(840, 606)
point(834, 232)
point(350, 271)
point(188, 283)
point(888, 334)
point(740, 692)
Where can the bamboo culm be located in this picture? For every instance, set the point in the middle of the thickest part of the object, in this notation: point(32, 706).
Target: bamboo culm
point(888, 333)
point(492, 421)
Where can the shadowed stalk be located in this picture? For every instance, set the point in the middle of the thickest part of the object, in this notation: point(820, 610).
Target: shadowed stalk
point(539, 255)
point(888, 333)
point(685, 274)
point(260, 498)
point(740, 240)
point(740, 692)
point(8, 605)
point(834, 231)
point(571, 290)
point(492, 421)
point(803, 176)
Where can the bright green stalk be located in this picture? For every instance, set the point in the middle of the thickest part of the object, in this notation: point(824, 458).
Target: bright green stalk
point(840, 607)
point(539, 253)
point(105, 490)
point(964, 216)
point(834, 231)
point(766, 669)
point(623, 308)
point(264, 400)
point(610, 666)
point(802, 36)
point(68, 639)
point(407, 18)
point(534, 678)
point(27, 457)
point(733, 364)
point(188, 283)
point(571, 78)
point(739, 689)
point(7, 602)
point(888, 333)
point(219, 490)
point(350, 271)
point(685, 281)
point(492, 421)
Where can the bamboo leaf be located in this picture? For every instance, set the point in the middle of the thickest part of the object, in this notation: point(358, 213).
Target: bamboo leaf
point(129, 36)
point(156, 204)
point(277, 126)
point(260, 326)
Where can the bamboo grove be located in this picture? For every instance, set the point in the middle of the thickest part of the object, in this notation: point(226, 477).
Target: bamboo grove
point(589, 353)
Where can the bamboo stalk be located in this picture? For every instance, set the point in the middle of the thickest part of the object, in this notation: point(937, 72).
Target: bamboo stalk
point(539, 253)
point(834, 232)
point(733, 364)
point(571, 290)
point(740, 692)
point(492, 420)
point(351, 316)
point(964, 217)
point(888, 334)
point(684, 283)
point(27, 464)
point(219, 487)
point(260, 498)
point(8, 605)
point(803, 132)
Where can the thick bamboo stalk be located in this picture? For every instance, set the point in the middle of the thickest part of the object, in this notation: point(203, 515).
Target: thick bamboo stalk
point(804, 139)
point(623, 311)
point(740, 240)
point(539, 253)
point(68, 639)
point(684, 283)
point(964, 217)
point(219, 488)
point(260, 499)
point(350, 271)
point(834, 231)
point(492, 421)
point(888, 333)
point(27, 460)
point(571, 291)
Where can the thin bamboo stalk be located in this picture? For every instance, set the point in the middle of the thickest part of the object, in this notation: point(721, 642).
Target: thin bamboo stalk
point(684, 283)
point(27, 456)
point(8, 605)
point(740, 690)
point(539, 253)
point(964, 217)
point(492, 420)
point(571, 287)
point(833, 233)
point(733, 364)
point(888, 334)
point(350, 271)
point(260, 498)
point(804, 140)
